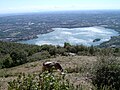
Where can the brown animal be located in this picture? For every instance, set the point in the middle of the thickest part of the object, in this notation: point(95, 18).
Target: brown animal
point(49, 66)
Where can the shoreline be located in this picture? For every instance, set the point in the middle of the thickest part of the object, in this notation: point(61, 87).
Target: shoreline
point(103, 44)
point(71, 43)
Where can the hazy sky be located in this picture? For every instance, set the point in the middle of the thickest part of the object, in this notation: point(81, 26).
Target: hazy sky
point(15, 6)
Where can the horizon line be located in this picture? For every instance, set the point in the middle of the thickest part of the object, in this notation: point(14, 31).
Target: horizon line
point(48, 11)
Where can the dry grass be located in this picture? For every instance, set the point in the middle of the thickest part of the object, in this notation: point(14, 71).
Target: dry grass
point(76, 67)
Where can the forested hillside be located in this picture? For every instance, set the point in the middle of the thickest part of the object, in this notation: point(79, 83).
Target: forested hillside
point(13, 54)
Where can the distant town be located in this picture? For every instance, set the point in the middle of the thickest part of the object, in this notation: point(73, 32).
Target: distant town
point(27, 26)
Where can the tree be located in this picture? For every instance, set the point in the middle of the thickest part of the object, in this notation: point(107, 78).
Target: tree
point(18, 57)
point(66, 45)
point(91, 51)
point(7, 62)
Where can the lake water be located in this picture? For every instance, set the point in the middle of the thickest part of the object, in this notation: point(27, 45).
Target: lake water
point(74, 36)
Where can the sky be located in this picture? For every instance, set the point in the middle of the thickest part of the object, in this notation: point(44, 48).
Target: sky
point(16, 6)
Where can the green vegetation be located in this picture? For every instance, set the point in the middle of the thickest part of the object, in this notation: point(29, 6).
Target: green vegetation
point(107, 73)
point(104, 74)
point(44, 81)
point(14, 54)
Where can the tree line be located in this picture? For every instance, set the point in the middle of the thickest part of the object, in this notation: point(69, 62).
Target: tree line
point(14, 54)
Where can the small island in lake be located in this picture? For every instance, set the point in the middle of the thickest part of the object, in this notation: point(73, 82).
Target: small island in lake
point(96, 40)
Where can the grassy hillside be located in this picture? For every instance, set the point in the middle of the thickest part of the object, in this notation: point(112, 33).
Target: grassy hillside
point(77, 70)
point(76, 67)
point(83, 66)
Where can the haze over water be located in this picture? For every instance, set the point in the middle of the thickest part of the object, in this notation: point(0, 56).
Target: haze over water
point(74, 36)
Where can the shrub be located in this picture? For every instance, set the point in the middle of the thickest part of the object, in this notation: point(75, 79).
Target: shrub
point(39, 56)
point(61, 51)
point(107, 73)
point(45, 55)
point(7, 62)
point(91, 50)
point(53, 51)
point(18, 57)
point(44, 81)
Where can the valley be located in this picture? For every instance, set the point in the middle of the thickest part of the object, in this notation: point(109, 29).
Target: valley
point(27, 26)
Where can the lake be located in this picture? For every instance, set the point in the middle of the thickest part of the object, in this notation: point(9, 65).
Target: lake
point(74, 36)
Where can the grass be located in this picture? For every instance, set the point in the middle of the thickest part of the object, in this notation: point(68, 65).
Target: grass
point(77, 70)
point(70, 64)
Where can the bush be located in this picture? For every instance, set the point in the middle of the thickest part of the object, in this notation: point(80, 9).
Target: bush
point(53, 51)
point(107, 73)
point(39, 56)
point(7, 62)
point(44, 81)
point(18, 57)
point(45, 55)
point(91, 50)
point(61, 51)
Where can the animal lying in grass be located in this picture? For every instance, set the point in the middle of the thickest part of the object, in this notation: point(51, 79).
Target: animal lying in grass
point(50, 66)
